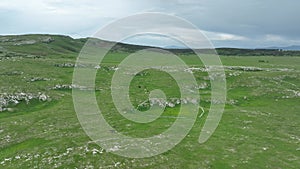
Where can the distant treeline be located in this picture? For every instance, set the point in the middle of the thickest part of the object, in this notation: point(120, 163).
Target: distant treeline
point(240, 52)
point(220, 51)
point(256, 52)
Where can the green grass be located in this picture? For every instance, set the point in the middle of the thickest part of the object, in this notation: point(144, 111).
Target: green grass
point(259, 129)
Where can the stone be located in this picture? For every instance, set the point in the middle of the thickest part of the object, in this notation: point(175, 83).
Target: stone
point(43, 97)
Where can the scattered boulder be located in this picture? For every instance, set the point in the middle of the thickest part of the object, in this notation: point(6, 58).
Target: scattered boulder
point(36, 79)
point(65, 65)
point(195, 69)
point(172, 102)
point(234, 74)
point(97, 67)
point(43, 97)
point(202, 86)
point(62, 87)
point(144, 73)
point(244, 68)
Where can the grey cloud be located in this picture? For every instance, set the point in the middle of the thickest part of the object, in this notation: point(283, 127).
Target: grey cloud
point(254, 20)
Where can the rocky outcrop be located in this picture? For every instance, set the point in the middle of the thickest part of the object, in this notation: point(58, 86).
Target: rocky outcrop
point(23, 40)
point(70, 86)
point(7, 100)
point(47, 40)
point(13, 73)
point(172, 102)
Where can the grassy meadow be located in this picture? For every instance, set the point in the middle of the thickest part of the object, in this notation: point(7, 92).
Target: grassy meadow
point(259, 128)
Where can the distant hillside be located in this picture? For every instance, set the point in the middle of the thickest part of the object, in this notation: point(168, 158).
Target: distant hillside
point(47, 45)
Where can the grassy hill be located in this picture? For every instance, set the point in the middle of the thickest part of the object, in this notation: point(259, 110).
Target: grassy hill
point(42, 44)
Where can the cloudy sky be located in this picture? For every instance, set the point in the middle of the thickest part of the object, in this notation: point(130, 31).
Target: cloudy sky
point(227, 23)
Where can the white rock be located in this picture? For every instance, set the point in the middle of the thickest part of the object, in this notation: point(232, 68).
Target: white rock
point(97, 67)
point(171, 104)
point(43, 97)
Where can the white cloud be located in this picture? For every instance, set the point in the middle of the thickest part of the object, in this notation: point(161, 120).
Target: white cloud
point(78, 18)
point(217, 36)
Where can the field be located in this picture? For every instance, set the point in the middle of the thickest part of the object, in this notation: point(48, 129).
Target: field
point(39, 127)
